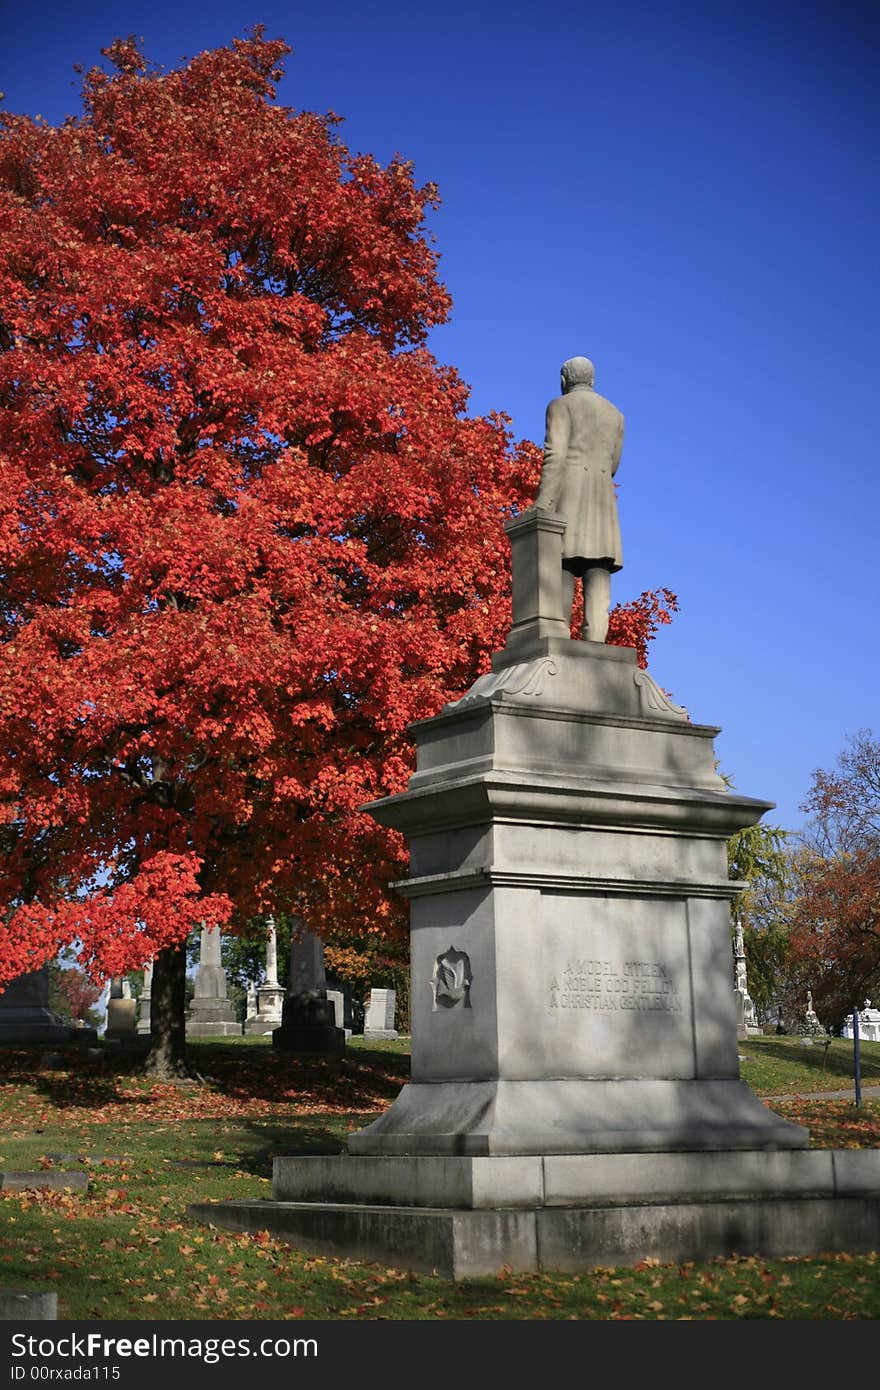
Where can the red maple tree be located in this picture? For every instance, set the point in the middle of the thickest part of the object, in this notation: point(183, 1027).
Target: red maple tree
point(248, 531)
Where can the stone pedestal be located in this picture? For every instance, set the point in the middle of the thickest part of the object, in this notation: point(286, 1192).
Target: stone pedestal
point(570, 912)
point(211, 1014)
point(379, 1015)
point(25, 1016)
point(308, 1021)
point(575, 1096)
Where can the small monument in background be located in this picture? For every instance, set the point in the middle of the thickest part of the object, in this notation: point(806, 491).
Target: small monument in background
point(747, 1024)
point(122, 1012)
point(211, 1013)
point(25, 1016)
point(269, 1001)
point(810, 1026)
point(869, 1024)
point(143, 1018)
point(308, 1021)
point(250, 1008)
point(379, 1014)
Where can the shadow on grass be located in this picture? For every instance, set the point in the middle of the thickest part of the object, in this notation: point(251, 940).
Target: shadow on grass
point(286, 1139)
point(358, 1080)
point(75, 1079)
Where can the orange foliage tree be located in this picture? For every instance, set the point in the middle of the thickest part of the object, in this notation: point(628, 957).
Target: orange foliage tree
point(835, 933)
point(248, 531)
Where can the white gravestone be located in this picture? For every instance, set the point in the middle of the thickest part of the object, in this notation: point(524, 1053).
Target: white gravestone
point(379, 1015)
point(250, 1006)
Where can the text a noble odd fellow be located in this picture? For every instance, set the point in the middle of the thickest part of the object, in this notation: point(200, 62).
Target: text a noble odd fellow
point(637, 986)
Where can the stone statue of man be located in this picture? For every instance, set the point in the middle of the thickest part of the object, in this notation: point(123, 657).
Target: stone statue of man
point(582, 447)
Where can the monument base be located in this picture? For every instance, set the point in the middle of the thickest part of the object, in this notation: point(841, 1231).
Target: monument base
point(463, 1217)
point(216, 1029)
point(309, 1025)
point(261, 1025)
point(576, 1116)
point(37, 1025)
point(212, 1018)
point(309, 1038)
point(270, 1010)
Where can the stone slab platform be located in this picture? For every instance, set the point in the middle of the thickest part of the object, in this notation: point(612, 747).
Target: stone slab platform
point(566, 1180)
point(460, 1244)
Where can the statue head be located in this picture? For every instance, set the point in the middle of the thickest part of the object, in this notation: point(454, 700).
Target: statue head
point(577, 371)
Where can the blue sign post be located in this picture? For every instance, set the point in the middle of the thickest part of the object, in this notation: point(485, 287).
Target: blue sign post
point(856, 1057)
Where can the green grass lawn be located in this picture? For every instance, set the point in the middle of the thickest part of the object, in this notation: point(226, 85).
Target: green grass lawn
point(775, 1066)
point(126, 1248)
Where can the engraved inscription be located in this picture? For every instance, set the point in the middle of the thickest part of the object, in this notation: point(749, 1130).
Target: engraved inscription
point(631, 986)
point(451, 980)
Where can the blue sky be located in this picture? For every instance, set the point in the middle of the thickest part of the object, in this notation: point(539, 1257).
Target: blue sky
point(686, 193)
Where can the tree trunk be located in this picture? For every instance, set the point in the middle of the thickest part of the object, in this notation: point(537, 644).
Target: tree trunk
point(167, 1056)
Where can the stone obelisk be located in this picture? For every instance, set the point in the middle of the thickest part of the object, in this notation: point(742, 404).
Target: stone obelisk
point(270, 995)
point(211, 1013)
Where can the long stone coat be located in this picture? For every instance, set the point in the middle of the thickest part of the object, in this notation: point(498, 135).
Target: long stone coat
point(582, 447)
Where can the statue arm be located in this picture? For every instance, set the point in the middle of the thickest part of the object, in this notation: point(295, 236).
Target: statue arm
point(556, 436)
point(618, 447)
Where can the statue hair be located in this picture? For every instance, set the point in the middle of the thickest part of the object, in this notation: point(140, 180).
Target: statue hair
point(578, 371)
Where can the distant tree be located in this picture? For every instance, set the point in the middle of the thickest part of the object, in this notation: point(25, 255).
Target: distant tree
point(836, 924)
point(844, 802)
point(72, 995)
point(755, 856)
point(758, 856)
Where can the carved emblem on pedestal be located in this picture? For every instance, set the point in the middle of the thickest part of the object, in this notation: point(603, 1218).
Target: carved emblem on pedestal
point(451, 980)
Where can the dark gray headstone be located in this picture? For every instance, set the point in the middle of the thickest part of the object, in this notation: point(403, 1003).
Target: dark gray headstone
point(25, 1016)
